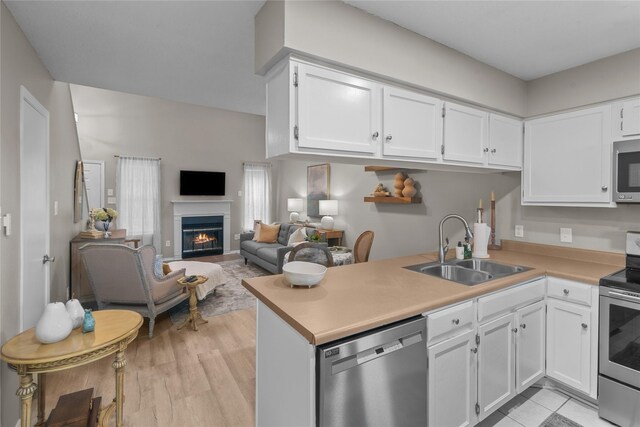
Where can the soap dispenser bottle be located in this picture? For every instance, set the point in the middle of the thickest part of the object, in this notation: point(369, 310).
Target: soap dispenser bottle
point(459, 251)
point(467, 248)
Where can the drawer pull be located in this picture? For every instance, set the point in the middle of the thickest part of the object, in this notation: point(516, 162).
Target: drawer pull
point(456, 321)
point(515, 330)
point(566, 291)
point(523, 325)
point(474, 350)
point(584, 326)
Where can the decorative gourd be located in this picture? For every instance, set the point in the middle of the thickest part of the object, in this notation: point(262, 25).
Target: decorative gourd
point(54, 325)
point(398, 183)
point(409, 189)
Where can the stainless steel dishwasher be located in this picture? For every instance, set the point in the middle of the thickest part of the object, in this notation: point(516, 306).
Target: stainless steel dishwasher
point(378, 378)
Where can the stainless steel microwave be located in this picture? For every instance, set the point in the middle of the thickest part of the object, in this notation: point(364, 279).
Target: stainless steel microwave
point(626, 171)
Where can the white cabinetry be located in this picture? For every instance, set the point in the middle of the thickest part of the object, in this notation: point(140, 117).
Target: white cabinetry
point(572, 335)
point(412, 124)
point(505, 141)
point(567, 159)
point(466, 132)
point(530, 345)
point(337, 111)
point(626, 119)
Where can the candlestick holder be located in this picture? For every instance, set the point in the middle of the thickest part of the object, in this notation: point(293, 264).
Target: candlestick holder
point(492, 239)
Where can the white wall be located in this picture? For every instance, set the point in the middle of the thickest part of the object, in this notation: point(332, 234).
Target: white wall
point(185, 136)
point(337, 32)
point(20, 65)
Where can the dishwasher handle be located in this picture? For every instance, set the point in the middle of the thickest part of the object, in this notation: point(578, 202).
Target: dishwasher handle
point(376, 352)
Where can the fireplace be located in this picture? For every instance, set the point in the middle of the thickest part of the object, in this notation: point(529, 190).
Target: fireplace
point(199, 209)
point(202, 235)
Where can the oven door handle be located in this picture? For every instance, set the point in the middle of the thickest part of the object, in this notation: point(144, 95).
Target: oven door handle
point(624, 296)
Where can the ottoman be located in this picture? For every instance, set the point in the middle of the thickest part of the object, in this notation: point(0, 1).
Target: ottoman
point(214, 272)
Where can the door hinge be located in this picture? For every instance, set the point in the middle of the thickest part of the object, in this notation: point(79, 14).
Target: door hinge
point(295, 131)
point(477, 339)
point(442, 149)
point(477, 409)
point(295, 79)
point(444, 111)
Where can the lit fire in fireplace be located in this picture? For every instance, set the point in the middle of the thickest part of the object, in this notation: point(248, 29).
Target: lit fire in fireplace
point(204, 238)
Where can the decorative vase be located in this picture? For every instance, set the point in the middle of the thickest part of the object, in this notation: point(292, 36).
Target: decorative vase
point(89, 323)
point(76, 312)
point(409, 189)
point(54, 325)
point(398, 183)
point(103, 225)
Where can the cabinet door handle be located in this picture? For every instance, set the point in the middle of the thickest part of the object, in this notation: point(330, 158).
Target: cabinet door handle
point(375, 135)
point(486, 150)
point(474, 350)
point(456, 321)
point(605, 188)
point(515, 330)
point(585, 326)
point(389, 138)
point(523, 325)
point(493, 151)
point(566, 291)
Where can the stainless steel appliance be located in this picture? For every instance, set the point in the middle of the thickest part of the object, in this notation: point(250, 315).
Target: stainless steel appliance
point(626, 171)
point(619, 365)
point(375, 379)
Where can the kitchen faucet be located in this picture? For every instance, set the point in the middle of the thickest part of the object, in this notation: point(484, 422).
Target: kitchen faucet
point(443, 249)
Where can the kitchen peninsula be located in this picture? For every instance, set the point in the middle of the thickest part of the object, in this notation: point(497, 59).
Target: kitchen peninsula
point(292, 322)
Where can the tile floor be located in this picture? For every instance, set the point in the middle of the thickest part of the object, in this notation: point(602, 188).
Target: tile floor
point(535, 405)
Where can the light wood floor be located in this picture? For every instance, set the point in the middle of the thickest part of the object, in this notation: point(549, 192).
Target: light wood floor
point(178, 378)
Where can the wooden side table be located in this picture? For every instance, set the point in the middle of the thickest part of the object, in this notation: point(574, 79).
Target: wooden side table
point(329, 235)
point(194, 315)
point(114, 330)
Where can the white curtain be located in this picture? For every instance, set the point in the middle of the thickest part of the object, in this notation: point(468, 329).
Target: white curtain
point(138, 198)
point(257, 194)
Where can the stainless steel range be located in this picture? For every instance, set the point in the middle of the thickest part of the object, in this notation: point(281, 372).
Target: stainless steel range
point(619, 366)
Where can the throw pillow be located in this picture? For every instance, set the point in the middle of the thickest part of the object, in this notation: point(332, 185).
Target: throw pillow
point(256, 229)
point(268, 233)
point(297, 236)
point(157, 267)
point(165, 268)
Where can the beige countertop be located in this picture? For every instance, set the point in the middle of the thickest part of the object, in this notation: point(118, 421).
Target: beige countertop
point(355, 298)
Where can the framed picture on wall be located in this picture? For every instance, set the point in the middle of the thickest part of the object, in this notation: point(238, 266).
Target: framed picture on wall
point(317, 187)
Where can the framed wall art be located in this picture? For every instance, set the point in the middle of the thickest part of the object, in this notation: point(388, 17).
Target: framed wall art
point(317, 187)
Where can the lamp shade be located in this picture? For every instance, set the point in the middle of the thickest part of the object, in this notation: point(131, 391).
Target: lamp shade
point(294, 205)
point(328, 207)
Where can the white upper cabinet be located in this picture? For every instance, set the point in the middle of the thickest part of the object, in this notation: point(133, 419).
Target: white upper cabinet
point(567, 159)
point(412, 124)
point(626, 119)
point(466, 132)
point(505, 141)
point(337, 111)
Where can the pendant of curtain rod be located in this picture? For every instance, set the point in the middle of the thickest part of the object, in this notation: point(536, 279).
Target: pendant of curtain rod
point(134, 157)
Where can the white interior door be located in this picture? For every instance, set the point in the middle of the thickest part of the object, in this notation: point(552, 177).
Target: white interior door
point(34, 209)
point(94, 182)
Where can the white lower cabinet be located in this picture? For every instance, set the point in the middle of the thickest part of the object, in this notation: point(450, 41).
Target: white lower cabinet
point(569, 343)
point(530, 345)
point(452, 381)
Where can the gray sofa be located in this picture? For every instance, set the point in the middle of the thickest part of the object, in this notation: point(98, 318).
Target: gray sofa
point(269, 256)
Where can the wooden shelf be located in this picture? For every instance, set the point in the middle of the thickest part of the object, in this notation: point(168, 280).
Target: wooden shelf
point(395, 200)
point(379, 168)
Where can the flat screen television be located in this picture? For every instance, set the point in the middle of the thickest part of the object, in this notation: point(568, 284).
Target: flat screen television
point(201, 183)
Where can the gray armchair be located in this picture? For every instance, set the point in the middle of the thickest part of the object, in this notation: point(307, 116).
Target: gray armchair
point(123, 278)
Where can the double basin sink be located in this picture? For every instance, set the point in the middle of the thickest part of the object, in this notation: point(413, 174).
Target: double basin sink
point(468, 272)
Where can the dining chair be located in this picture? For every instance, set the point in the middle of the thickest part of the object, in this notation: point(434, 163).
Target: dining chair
point(362, 248)
point(312, 252)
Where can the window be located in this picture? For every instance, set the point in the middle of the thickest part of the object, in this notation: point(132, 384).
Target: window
point(138, 197)
point(257, 194)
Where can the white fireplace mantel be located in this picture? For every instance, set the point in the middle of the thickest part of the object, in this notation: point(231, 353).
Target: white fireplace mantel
point(200, 208)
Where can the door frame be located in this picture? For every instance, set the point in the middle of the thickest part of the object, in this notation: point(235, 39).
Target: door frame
point(27, 97)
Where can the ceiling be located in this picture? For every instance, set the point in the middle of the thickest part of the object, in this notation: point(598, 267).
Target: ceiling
point(201, 52)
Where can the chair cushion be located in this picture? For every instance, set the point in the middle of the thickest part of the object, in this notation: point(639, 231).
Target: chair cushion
point(252, 247)
point(161, 292)
point(269, 254)
point(166, 269)
point(268, 233)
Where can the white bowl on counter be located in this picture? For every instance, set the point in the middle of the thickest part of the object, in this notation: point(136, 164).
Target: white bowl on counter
point(303, 273)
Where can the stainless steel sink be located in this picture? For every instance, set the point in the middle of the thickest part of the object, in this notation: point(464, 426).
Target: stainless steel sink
point(468, 272)
point(491, 267)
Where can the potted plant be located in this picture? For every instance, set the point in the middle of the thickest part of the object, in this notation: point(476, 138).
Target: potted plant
point(103, 218)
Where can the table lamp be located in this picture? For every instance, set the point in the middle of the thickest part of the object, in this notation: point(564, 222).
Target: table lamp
point(294, 206)
point(328, 208)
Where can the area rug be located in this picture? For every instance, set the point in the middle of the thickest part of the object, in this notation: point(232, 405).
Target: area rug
point(557, 420)
point(227, 297)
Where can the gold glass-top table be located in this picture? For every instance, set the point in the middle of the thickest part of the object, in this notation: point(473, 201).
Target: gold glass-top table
point(114, 330)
